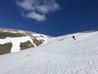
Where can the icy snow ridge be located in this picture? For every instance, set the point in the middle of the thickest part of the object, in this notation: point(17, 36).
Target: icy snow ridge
point(61, 55)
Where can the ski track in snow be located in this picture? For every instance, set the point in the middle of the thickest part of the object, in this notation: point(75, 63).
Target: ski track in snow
point(58, 56)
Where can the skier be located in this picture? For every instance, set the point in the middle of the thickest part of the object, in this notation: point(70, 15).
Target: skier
point(73, 37)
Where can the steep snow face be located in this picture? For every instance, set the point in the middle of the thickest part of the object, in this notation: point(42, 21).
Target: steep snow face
point(61, 55)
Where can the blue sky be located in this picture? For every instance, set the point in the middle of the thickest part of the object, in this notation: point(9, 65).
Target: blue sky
point(61, 16)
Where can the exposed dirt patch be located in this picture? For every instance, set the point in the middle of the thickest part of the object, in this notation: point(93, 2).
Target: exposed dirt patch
point(26, 45)
point(8, 34)
point(37, 42)
point(6, 48)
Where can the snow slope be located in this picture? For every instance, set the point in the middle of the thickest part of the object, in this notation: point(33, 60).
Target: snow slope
point(61, 55)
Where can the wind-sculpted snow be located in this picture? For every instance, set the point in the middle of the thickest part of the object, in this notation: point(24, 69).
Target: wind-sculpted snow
point(61, 55)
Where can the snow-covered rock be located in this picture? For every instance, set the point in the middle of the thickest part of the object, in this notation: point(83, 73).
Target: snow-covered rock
point(14, 40)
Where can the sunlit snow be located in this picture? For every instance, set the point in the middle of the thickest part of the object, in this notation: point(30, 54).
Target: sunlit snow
point(61, 55)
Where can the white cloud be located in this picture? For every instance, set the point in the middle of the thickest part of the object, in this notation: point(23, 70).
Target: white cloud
point(36, 16)
point(38, 9)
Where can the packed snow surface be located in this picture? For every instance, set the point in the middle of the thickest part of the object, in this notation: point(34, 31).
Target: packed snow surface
point(61, 55)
